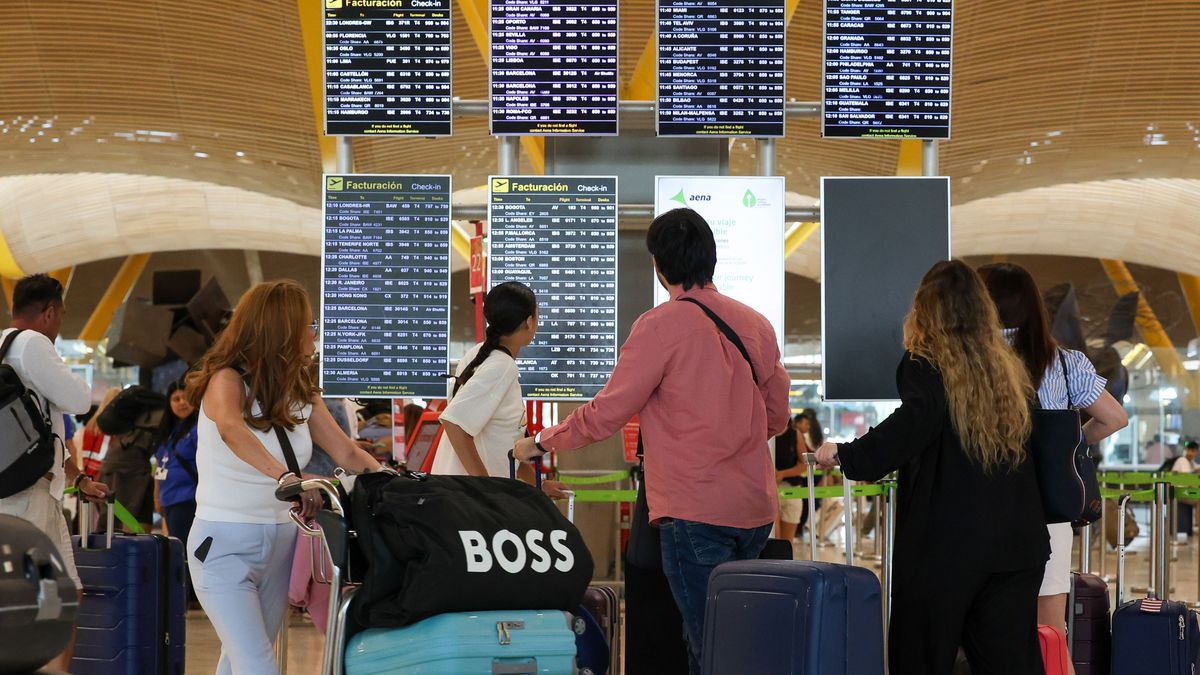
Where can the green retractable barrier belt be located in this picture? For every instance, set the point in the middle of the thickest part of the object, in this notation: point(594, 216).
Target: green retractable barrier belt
point(593, 480)
point(1136, 496)
point(602, 496)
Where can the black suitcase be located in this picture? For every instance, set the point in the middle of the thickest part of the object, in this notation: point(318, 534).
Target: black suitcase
point(603, 603)
point(1088, 634)
point(38, 601)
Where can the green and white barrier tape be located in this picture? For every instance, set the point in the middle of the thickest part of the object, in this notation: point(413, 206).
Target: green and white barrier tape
point(593, 480)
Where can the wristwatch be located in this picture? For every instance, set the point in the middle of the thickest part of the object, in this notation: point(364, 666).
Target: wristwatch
point(537, 440)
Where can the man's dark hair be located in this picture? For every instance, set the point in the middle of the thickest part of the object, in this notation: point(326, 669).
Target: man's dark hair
point(682, 243)
point(1192, 445)
point(34, 294)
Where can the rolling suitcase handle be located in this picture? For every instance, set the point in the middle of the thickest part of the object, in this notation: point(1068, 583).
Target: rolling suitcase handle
point(810, 459)
point(1124, 501)
point(85, 519)
point(512, 470)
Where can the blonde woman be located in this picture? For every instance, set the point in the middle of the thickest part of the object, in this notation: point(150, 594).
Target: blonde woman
point(257, 399)
point(971, 539)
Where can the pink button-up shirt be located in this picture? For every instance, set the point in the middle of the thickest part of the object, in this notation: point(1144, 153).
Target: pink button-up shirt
point(705, 424)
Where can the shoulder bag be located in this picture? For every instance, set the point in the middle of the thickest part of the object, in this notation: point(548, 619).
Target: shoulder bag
point(1065, 471)
point(644, 548)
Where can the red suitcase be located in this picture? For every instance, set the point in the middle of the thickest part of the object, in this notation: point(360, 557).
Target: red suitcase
point(1054, 650)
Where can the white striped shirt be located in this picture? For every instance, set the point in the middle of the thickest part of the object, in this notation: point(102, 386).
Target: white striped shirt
point(1081, 377)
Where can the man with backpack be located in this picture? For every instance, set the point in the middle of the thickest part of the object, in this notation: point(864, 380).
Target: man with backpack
point(27, 353)
point(703, 372)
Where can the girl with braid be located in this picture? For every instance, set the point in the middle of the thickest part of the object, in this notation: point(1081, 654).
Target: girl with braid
point(486, 414)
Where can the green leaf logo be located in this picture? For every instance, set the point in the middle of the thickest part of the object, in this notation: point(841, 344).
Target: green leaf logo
point(681, 198)
point(749, 200)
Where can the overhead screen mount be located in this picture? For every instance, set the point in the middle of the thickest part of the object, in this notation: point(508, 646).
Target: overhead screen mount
point(721, 67)
point(879, 236)
point(387, 69)
point(385, 276)
point(558, 236)
point(886, 69)
point(554, 67)
point(746, 215)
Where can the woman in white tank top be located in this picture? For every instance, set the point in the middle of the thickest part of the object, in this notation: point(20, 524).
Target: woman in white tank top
point(253, 388)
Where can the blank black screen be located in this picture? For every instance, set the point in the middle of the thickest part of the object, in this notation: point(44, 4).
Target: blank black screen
point(879, 236)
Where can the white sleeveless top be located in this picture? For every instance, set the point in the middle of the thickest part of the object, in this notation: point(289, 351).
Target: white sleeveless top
point(232, 491)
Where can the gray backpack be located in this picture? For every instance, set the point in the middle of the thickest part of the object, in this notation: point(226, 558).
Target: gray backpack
point(26, 439)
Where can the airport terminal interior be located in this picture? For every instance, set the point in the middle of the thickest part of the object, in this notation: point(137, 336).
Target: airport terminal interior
point(400, 158)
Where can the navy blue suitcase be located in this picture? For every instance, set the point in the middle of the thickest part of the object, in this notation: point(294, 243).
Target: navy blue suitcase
point(785, 616)
point(132, 618)
point(1155, 636)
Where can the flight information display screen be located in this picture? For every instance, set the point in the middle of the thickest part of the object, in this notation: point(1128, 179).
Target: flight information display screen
point(554, 67)
point(385, 306)
point(721, 67)
point(387, 67)
point(887, 69)
point(558, 236)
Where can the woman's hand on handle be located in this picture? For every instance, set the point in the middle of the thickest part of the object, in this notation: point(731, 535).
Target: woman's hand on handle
point(555, 489)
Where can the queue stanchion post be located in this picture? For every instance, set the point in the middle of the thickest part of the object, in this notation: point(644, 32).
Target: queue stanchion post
point(1103, 535)
point(848, 519)
point(281, 644)
point(810, 459)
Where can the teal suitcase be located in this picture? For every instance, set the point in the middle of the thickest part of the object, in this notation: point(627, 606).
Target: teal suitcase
point(520, 642)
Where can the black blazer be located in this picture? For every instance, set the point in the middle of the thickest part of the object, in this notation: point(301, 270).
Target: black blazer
point(948, 509)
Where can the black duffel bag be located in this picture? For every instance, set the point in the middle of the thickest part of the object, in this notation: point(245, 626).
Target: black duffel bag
point(462, 544)
point(38, 601)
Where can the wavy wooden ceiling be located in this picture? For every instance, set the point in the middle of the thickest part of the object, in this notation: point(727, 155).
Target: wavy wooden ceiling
point(1044, 94)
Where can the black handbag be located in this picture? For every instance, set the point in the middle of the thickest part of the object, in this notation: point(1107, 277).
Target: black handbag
point(644, 547)
point(1065, 471)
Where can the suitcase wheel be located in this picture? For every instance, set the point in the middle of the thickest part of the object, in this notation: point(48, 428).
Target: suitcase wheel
point(579, 626)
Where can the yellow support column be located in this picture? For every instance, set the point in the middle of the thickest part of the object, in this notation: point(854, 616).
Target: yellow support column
point(1152, 329)
point(9, 286)
point(476, 14)
point(114, 297)
point(798, 236)
point(1191, 291)
point(909, 161)
point(312, 29)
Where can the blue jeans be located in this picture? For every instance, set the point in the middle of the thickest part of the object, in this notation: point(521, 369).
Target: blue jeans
point(690, 551)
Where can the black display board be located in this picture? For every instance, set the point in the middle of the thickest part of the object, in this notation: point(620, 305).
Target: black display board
point(387, 67)
point(887, 69)
point(385, 309)
point(878, 238)
point(721, 68)
point(554, 67)
point(558, 235)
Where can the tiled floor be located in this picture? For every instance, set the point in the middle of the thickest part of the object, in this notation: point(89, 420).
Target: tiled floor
point(305, 643)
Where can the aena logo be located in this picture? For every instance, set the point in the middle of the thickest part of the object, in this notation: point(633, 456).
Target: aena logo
point(749, 200)
point(685, 198)
point(512, 553)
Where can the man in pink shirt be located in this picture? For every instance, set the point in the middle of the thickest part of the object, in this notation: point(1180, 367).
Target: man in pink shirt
point(706, 413)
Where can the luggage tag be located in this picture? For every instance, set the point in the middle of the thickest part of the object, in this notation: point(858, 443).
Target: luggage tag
point(160, 470)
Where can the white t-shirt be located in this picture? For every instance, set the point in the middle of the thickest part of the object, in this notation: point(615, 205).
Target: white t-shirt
point(1182, 465)
point(41, 369)
point(489, 408)
point(232, 491)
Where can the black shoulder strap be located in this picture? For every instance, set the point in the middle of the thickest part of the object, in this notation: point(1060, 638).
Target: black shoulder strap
point(8, 341)
point(727, 332)
point(1062, 359)
point(289, 455)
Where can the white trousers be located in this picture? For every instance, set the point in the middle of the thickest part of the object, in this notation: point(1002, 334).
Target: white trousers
point(241, 573)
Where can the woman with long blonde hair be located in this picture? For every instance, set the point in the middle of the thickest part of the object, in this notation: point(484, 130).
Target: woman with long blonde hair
point(257, 397)
point(971, 539)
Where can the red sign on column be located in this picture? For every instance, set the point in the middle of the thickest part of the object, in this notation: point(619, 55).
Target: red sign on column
point(630, 436)
point(478, 266)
